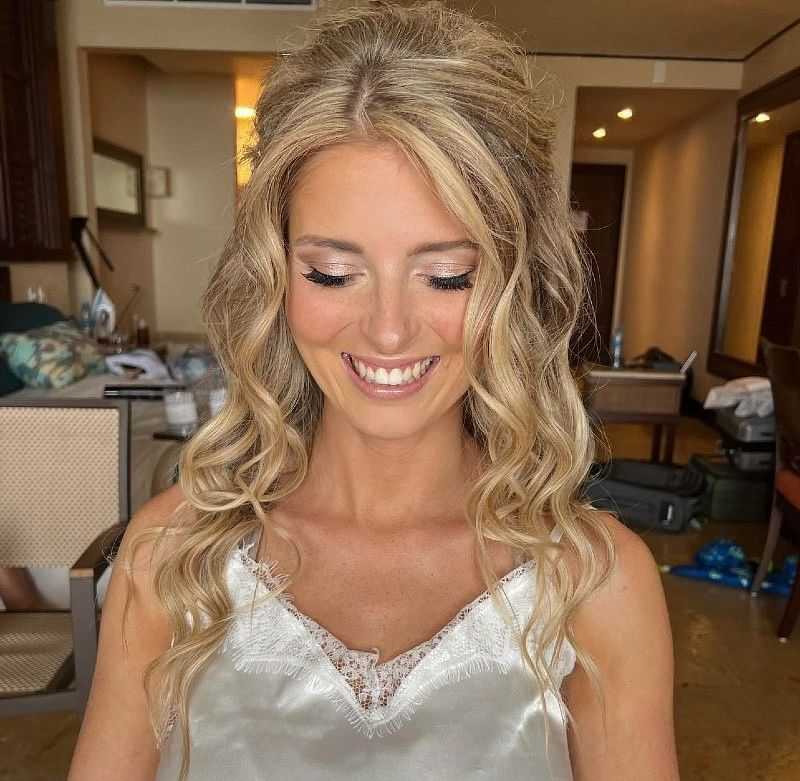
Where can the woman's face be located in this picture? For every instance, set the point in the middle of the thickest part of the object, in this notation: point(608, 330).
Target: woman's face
point(380, 273)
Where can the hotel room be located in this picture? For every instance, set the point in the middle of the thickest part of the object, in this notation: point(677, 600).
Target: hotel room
point(124, 131)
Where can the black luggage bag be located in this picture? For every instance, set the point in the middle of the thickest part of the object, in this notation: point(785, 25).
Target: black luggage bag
point(733, 494)
point(646, 495)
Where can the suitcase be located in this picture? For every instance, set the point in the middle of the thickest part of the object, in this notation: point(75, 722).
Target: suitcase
point(749, 443)
point(733, 494)
point(752, 429)
point(646, 495)
point(752, 460)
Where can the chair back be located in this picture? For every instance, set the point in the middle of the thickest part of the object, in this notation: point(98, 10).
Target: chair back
point(783, 369)
point(63, 477)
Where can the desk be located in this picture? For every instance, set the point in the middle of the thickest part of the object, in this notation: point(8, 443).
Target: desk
point(636, 396)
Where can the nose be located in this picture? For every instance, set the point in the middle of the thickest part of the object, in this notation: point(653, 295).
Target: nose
point(390, 323)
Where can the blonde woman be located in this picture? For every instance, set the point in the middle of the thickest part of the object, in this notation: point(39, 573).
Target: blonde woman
point(377, 563)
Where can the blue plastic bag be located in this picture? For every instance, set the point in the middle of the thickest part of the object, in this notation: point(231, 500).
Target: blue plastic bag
point(723, 561)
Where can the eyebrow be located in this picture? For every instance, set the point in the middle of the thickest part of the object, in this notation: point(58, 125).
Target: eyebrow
point(348, 246)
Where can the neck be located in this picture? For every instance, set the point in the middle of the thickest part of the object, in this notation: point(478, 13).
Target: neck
point(381, 484)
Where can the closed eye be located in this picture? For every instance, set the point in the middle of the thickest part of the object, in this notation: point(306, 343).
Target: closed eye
point(459, 282)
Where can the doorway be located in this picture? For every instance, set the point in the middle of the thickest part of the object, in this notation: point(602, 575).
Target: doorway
point(597, 192)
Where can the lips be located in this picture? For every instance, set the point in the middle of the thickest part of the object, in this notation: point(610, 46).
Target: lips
point(380, 373)
point(388, 391)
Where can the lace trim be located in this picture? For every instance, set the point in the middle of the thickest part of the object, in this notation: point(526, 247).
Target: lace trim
point(373, 682)
point(377, 699)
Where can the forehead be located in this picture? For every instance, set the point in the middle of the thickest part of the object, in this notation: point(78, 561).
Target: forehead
point(368, 189)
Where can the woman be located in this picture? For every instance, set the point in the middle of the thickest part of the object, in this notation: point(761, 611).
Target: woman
point(376, 564)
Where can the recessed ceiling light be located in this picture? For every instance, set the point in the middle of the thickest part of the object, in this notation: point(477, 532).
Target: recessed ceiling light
point(761, 118)
point(599, 133)
point(625, 113)
point(244, 112)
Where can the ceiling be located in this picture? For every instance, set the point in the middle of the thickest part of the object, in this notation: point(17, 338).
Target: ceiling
point(655, 112)
point(693, 29)
point(697, 29)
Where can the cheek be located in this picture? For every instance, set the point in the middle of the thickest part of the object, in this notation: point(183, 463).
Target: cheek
point(312, 316)
point(447, 320)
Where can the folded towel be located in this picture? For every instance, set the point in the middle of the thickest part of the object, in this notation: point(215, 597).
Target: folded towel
point(147, 361)
point(751, 396)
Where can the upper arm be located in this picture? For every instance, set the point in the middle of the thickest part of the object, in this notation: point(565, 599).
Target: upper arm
point(116, 740)
point(624, 626)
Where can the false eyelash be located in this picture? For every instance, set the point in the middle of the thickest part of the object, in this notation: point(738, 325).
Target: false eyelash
point(460, 282)
point(326, 279)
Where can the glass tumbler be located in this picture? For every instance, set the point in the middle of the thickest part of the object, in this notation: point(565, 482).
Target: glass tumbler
point(181, 412)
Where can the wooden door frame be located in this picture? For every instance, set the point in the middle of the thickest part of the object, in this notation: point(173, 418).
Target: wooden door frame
point(785, 89)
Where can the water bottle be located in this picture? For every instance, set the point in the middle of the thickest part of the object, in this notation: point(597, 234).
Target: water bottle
point(617, 360)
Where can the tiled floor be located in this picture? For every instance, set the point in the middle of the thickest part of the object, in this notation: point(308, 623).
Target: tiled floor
point(737, 689)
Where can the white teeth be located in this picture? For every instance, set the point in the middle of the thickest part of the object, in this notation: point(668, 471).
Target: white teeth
point(395, 377)
point(381, 376)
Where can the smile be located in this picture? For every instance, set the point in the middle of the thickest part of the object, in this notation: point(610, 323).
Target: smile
point(389, 382)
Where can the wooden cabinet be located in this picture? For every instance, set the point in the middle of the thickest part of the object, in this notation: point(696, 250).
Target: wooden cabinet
point(34, 216)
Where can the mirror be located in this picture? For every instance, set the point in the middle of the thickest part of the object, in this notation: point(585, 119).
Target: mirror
point(759, 283)
point(118, 185)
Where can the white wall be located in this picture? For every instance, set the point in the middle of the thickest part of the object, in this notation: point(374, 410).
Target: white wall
point(565, 74)
point(118, 100)
point(191, 130)
point(674, 236)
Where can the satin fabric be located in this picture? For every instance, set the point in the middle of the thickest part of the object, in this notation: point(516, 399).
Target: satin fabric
point(271, 705)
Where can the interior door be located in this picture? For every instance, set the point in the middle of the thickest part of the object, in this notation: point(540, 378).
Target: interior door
point(597, 192)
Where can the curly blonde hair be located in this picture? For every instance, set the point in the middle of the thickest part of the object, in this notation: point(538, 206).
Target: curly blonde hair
point(459, 98)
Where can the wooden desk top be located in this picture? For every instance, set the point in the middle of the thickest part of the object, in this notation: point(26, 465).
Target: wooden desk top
point(599, 371)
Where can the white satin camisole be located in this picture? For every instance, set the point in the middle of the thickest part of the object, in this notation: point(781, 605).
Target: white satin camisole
point(284, 699)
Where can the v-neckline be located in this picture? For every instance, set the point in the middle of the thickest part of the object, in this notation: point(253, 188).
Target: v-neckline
point(263, 570)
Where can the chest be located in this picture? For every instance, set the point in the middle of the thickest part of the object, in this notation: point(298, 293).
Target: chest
point(389, 595)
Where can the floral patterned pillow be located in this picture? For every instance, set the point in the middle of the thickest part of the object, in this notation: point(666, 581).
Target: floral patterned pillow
point(51, 356)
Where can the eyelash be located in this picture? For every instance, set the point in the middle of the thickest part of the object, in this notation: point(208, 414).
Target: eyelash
point(460, 282)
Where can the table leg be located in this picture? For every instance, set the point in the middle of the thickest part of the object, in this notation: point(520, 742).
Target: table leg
point(655, 450)
point(670, 443)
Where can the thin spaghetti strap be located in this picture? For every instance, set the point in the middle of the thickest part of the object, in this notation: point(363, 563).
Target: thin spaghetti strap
point(555, 535)
point(252, 542)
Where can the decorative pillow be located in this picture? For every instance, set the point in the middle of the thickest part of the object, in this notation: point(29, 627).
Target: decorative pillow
point(51, 356)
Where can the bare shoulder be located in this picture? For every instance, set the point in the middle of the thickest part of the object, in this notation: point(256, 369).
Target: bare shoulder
point(633, 560)
point(167, 509)
point(160, 509)
point(629, 605)
point(624, 627)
